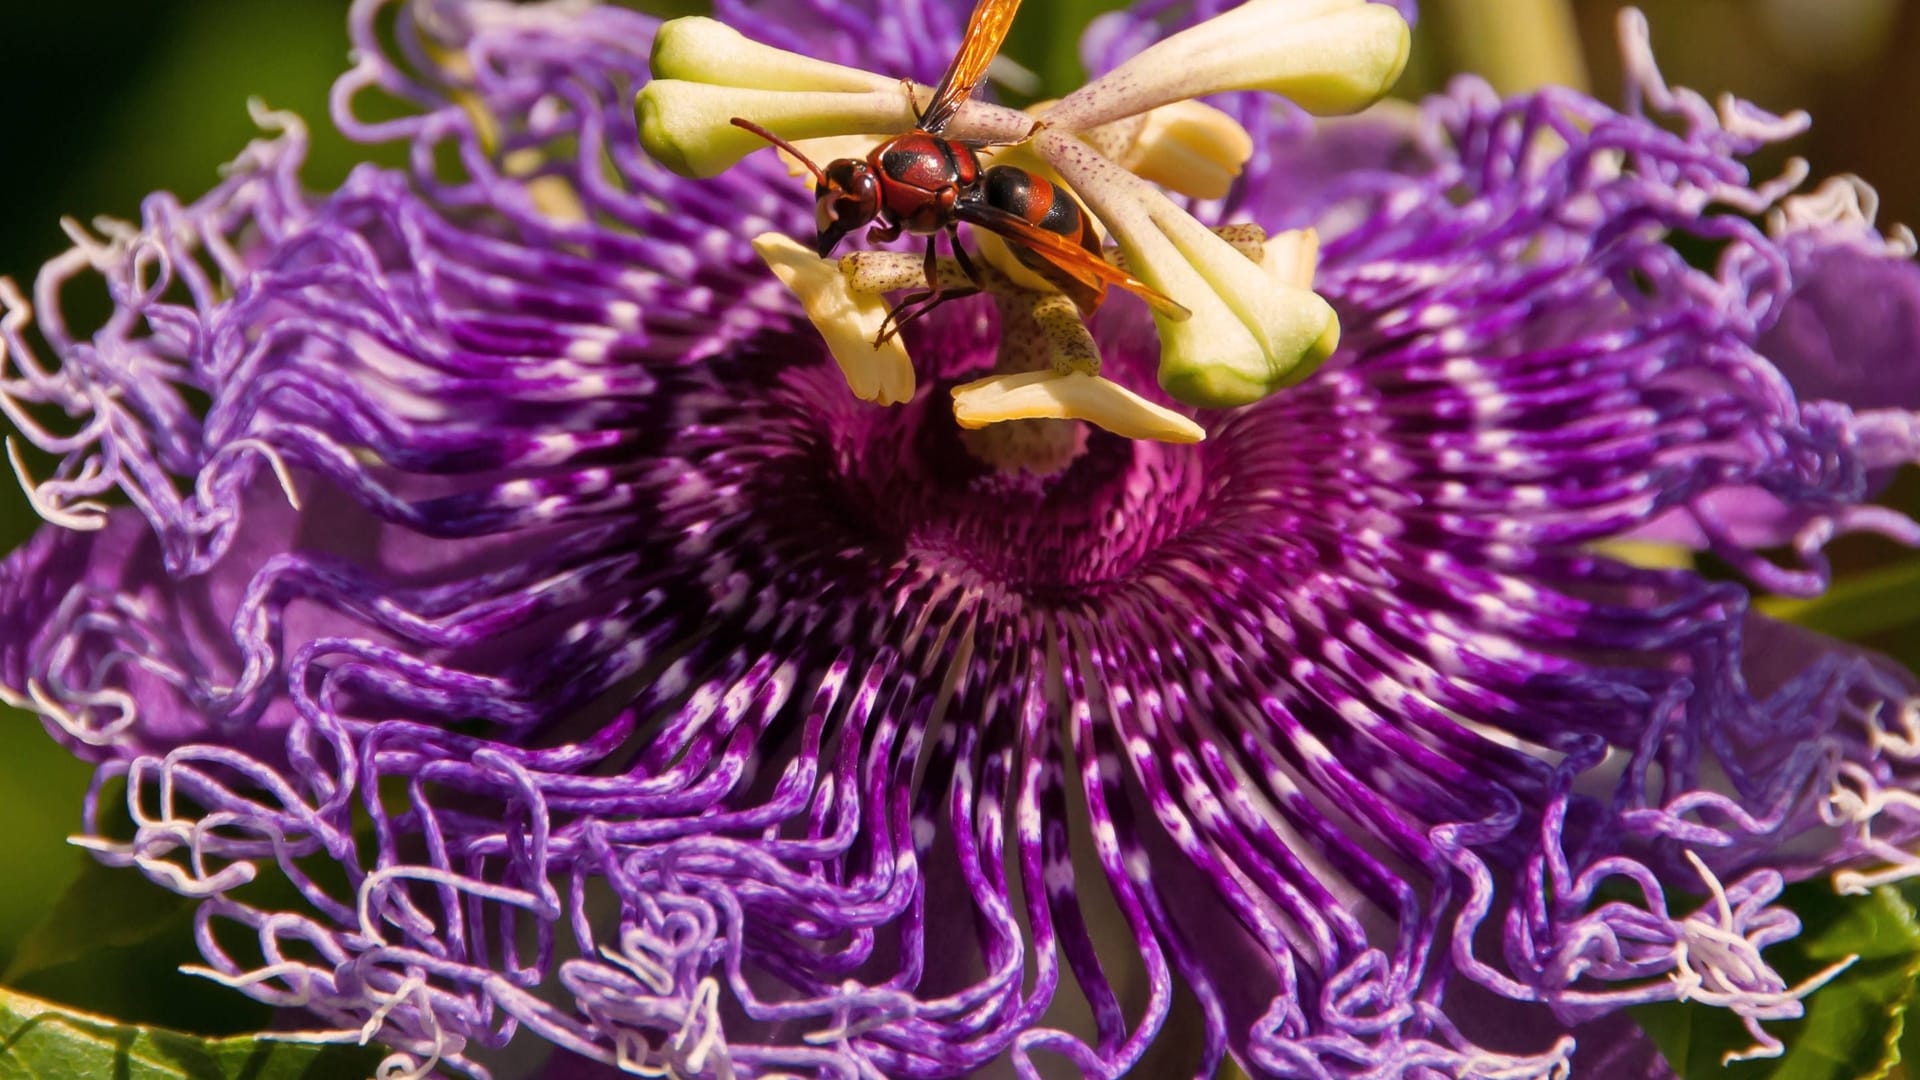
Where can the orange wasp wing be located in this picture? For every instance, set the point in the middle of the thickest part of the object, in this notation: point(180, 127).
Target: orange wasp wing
point(986, 32)
point(1082, 268)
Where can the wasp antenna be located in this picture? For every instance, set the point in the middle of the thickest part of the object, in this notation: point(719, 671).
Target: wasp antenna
point(818, 176)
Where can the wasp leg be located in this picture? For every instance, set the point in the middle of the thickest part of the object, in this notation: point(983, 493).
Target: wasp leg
point(960, 256)
point(930, 266)
point(915, 303)
point(920, 303)
point(882, 234)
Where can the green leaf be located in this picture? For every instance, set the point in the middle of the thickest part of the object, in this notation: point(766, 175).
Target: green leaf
point(104, 907)
point(130, 970)
point(40, 1040)
point(1855, 607)
point(1853, 1025)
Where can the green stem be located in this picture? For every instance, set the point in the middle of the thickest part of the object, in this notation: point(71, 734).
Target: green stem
point(1046, 38)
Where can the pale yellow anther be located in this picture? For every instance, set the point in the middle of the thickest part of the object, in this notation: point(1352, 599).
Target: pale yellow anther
point(1049, 395)
point(703, 50)
point(1189, 147)
point(1247, 333)
point(688, 126)
point(1327, 56)
point(706, 73)
point(848, 320)
point(1292, 257)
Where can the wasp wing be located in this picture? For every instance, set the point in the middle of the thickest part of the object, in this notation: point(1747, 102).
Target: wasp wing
point(986, 31)
point(1086, 272)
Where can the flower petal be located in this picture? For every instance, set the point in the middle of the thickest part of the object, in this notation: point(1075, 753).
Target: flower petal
point(1849, 327)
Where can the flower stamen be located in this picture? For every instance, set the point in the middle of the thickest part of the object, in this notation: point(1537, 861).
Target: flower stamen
point(1250, 338)
point(1327, 56)
point(706, 73)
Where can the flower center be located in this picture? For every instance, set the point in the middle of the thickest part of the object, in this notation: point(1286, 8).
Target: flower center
point(966, 500)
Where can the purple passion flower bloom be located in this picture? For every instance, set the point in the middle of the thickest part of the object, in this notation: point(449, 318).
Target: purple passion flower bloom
point(491, 549)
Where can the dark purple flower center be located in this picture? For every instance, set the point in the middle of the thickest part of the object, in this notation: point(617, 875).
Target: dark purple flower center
point(907, 484)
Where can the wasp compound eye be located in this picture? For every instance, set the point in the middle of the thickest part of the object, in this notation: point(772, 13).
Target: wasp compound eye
point(849, 199)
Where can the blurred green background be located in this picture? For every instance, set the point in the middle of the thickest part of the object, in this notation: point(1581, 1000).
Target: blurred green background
point(107, 100)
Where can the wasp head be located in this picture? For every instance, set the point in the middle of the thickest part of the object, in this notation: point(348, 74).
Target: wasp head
point(848, 198)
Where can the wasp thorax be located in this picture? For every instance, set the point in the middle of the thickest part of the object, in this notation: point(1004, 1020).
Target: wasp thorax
point(849, 199)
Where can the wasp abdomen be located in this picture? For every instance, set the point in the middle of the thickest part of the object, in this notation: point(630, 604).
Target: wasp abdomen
point(1035, 199)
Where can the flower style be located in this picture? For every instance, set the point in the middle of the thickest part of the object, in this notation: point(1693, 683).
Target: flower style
point(492, 550)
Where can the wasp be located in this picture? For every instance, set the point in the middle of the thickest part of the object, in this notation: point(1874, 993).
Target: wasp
point(923, 184)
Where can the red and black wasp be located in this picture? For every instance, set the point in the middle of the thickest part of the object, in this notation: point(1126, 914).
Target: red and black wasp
point(924, 184)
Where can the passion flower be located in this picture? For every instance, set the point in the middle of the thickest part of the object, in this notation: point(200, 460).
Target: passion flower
point(492, 550)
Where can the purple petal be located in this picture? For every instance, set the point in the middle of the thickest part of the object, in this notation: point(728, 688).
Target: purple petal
point(1845, 340)
point(1851, 328)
